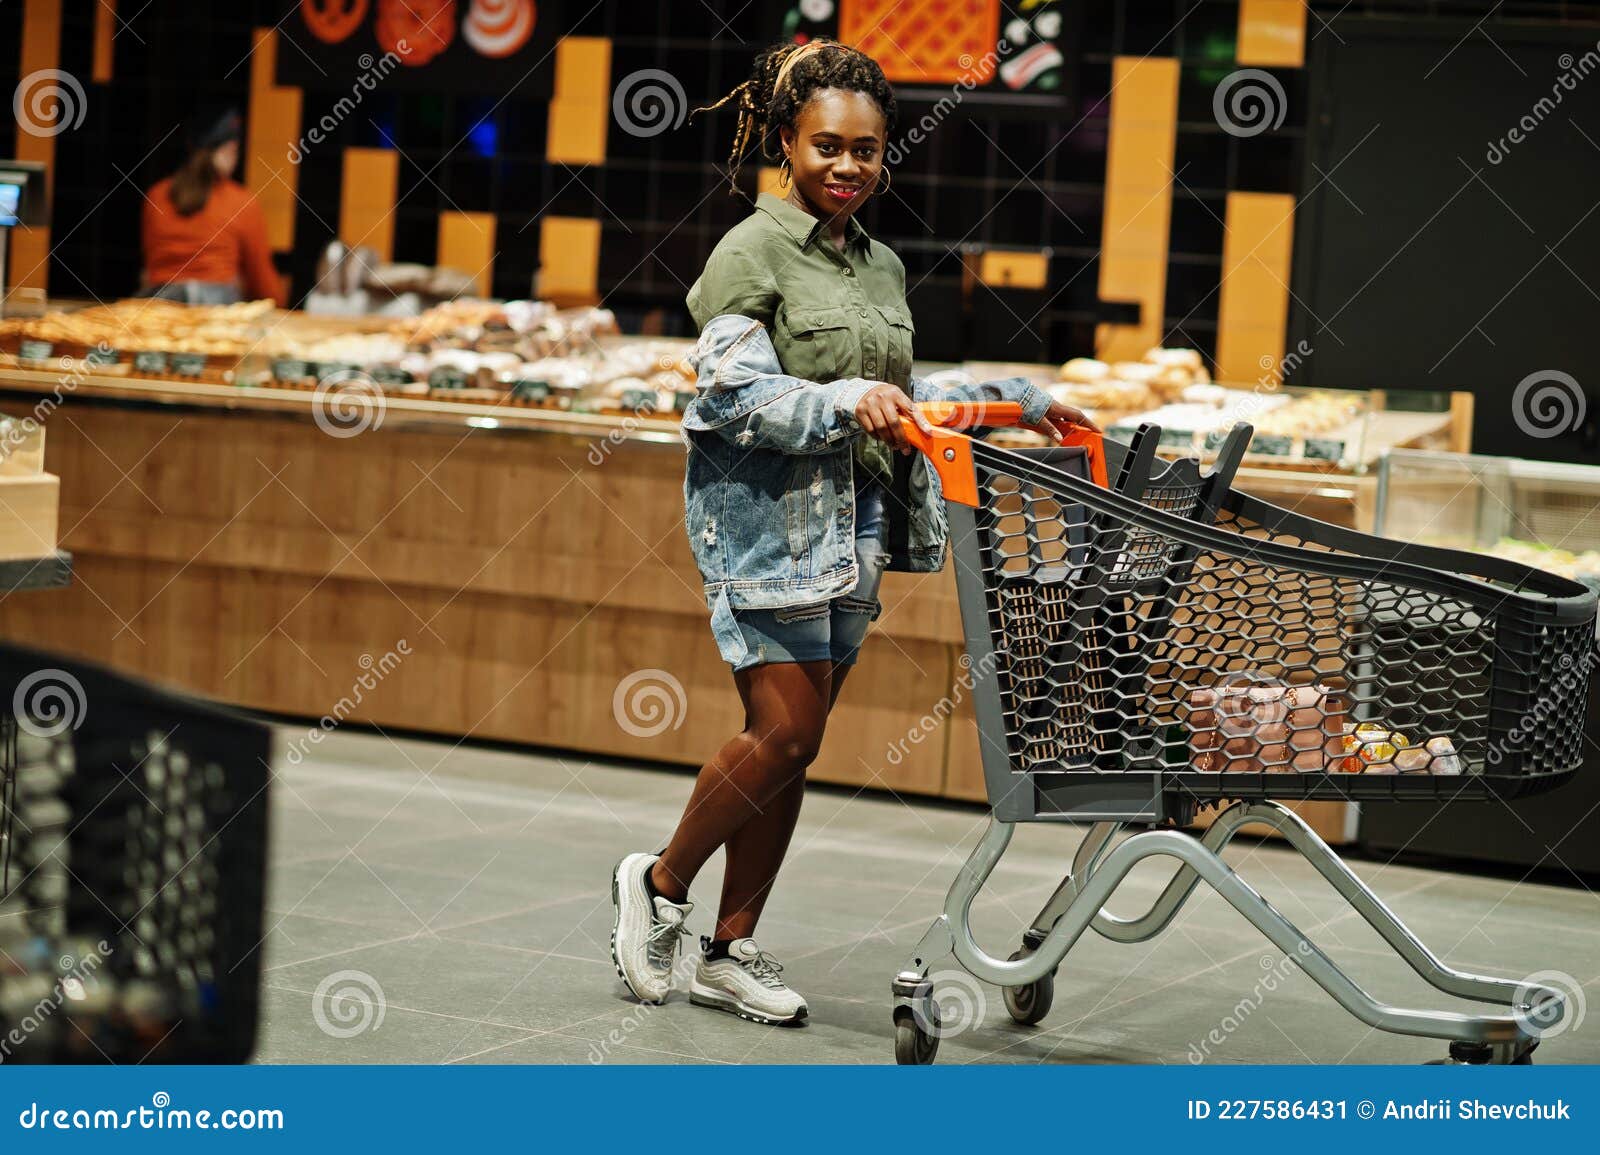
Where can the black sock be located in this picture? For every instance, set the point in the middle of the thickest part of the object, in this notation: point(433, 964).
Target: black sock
point(717, 948)
point(650, 886)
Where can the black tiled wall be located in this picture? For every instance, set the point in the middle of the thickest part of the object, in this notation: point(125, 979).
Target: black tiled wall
point(990, 175)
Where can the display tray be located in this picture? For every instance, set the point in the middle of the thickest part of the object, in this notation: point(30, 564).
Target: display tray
point(438, 408)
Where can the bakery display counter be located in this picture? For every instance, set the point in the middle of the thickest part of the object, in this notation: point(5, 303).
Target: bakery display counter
point(533, 565)
point(519, 354)
point(267, 539)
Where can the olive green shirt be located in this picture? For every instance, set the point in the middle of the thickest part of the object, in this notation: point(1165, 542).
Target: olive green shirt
point(831, 314)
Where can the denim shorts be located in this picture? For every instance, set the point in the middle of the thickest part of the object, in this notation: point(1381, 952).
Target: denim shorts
point(826, 631)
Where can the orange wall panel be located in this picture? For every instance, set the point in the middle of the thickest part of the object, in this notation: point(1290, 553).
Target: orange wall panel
point(1138, 201)
point(1253, 310)
point(580, 109)
point(272, 139)
point(1272, 33)
point(569, 259)
point(767, 181)
point(1013, 270)
point(41, 51)
point(367, 190)
point(105, 34)
point(466, 242)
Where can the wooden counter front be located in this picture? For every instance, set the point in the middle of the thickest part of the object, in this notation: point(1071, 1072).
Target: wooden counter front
point(534, 567)
point(248, 555)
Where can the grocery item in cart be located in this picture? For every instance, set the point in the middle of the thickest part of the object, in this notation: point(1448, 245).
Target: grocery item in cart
point(1259, 725)
point(1369, 748)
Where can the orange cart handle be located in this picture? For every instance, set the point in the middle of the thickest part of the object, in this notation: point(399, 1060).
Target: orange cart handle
point(967, 414)
point(951, 451)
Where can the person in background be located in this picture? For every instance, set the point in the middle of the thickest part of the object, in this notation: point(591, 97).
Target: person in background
point(205, 238)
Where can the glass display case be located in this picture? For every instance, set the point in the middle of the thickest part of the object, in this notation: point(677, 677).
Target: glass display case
point(1540, 513)
point(1544, 514)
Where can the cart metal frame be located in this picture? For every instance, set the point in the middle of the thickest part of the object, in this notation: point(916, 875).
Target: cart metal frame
point(1079, 901)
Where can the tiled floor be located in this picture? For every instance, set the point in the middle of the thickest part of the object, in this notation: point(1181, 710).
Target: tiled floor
point(435, 904)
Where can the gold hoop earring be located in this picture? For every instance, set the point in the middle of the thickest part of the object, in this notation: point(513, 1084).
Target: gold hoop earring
point(785, 173)
point(879, 192)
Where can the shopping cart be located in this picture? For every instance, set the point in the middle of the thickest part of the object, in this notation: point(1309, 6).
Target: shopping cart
point(1145, 641)
point(132, 878)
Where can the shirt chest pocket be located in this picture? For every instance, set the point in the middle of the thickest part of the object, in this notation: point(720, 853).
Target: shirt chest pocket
point(899, 329)
point(818, 343)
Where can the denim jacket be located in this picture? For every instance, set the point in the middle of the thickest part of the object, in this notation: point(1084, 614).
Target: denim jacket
point(769, 491)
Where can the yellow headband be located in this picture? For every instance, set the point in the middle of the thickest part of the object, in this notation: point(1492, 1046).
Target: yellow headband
point(810, 48)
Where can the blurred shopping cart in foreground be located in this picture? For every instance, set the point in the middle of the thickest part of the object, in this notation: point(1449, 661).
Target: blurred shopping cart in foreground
point(132, 861)
point(1147, 641)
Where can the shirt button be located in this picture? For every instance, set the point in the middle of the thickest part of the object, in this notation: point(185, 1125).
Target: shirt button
point(871, 367)
point(848, 272)
point(863, 312)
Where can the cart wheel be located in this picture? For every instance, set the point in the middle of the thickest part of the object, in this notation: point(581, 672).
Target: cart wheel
point(915, 1046)
point(1465, 1055)
point(1029, 1004)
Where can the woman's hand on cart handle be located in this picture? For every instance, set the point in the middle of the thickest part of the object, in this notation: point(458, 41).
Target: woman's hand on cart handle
point(879, 412)
point(1057, 416)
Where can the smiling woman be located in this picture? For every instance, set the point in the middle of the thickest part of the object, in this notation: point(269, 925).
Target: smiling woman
point(796, 503)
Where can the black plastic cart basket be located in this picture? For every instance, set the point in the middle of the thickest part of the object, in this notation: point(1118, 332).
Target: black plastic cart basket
point(134, 823)
point(1146, 641)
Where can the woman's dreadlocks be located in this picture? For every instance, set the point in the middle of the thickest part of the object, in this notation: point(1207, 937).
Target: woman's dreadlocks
point(784, 77)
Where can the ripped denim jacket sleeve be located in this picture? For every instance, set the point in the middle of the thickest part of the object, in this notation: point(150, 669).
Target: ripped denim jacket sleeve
point(746, 398)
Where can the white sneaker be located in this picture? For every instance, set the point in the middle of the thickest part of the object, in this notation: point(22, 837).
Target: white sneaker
point(644, 938)
point(745, 983)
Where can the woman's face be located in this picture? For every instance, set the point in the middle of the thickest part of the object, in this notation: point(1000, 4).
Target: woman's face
point(836, 151)
point(226, 158)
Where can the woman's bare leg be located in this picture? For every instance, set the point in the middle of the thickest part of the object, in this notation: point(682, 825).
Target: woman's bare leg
point(757, 849)
point(751, 779)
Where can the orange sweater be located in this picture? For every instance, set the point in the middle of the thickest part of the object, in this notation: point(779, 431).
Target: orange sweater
point(223, 243)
